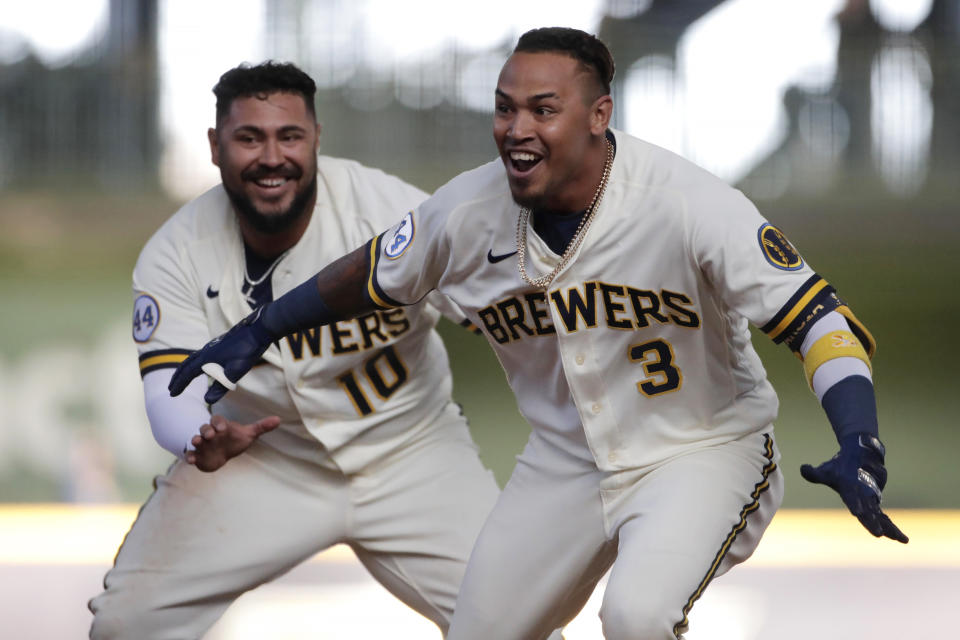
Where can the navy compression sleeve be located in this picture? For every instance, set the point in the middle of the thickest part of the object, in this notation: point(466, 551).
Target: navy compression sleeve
point(300, 308)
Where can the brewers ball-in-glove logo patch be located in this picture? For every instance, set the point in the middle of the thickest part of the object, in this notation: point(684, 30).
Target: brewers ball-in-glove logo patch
point(777, 249)
point(146, 317)
point(401, 238)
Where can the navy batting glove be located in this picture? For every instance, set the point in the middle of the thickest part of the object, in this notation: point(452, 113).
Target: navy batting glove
point(858, 475)
point(226, 359)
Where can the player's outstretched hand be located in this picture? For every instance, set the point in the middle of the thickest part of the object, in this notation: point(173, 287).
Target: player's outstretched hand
point(858, 475)
point(223, 439)
point(226, 359)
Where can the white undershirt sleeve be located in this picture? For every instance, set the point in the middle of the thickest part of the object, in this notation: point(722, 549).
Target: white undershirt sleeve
point(832, 371)
point(174, 421)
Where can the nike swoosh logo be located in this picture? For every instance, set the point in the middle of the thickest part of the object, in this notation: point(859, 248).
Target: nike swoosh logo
point(211, 293)
point(495, 259)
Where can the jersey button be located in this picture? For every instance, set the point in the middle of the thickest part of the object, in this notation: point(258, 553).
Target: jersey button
point(596, 407)
point(612, 456)
point(300, 384)
point(580, 359)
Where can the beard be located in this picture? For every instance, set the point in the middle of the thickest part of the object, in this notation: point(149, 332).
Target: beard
point(533, 202)
point(528, 198)
point(272, 223)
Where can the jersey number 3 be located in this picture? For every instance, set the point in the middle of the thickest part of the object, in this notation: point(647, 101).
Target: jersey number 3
point(656, 358)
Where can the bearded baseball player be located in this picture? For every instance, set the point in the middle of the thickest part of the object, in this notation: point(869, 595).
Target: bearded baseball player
point(347, 430)
point(615, 281)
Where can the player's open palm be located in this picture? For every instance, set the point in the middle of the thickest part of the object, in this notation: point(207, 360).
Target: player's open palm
point(858, 475)
point(223, 439)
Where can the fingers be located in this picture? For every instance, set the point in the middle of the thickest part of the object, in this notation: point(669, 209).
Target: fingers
point(867, 510)
point(891, 530)
point(879, 524)
point(208, 432)
point(215, 371)
point(184, 374)
point(203, 457)
point(870, 522)
point(266, 424)
point(817, 475)
point(215, 392)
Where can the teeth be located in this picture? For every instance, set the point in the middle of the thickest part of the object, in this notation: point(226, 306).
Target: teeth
point(523, 156)
point(271, 182)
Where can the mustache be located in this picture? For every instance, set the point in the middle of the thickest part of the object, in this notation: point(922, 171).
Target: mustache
point(260, 172)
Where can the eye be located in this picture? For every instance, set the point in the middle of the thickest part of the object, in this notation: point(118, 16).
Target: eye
point(543, 111)
point(502, 108)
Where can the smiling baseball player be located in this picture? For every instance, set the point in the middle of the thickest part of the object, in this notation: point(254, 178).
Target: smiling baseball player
point(616, 282)
point(347, 430)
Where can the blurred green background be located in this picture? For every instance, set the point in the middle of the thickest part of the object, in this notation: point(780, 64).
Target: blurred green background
point(868, 192)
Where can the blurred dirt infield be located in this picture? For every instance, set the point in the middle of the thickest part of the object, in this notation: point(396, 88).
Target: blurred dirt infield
point(816, 574)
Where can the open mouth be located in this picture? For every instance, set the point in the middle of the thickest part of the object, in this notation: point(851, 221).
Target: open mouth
point(270, 183)
point(523, 161)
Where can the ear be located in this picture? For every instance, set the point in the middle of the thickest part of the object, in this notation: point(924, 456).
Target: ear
point(319, 129)
point(214, 147)
point(600, 113)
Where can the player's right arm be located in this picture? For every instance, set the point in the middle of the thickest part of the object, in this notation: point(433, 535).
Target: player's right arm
point(174, 421)
point(337, 292)
point(168, 322)
point(416, 250)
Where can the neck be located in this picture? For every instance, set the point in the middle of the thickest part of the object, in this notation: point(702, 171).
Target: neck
point(271, 245)
point(583, 187)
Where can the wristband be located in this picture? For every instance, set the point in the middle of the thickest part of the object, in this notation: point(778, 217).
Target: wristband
point(851, 407)
point(299, 308)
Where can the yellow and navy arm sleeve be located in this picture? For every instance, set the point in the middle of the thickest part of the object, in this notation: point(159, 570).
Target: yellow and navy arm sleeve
point(162, 359)
point(859, 330)
point(814, 299)
point(838, 339)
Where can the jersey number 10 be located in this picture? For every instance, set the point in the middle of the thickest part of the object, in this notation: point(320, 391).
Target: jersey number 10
point(385, 373)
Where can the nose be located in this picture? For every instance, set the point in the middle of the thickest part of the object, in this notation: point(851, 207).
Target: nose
point(519, 127)
point(270, 154)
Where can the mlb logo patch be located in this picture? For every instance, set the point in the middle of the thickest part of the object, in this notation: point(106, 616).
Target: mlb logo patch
point(777, 249)
point(394, 247)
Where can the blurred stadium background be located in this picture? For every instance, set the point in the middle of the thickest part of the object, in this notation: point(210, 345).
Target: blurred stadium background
point(839, 118)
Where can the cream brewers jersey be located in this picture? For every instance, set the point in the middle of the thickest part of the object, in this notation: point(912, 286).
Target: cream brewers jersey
point(370, 383)
point(643, 337)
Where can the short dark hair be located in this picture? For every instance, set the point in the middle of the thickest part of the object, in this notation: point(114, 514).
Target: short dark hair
point(586, 49)
point(261, 80)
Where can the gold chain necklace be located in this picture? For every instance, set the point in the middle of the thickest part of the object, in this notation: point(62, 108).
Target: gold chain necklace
point(544, 281)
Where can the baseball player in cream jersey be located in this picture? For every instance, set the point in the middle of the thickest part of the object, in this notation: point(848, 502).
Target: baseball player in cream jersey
point(615, 282)
point(359, 441)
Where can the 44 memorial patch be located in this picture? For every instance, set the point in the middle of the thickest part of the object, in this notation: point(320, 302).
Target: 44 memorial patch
point(401, 238)
point(777, 249)
point(146, 317)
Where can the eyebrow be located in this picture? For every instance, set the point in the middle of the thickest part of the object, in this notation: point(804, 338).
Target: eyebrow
point(255, 129)
point(538, 96)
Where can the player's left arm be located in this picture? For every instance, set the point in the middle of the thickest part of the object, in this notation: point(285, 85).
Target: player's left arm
point(449, 310)
point(753, 264)
point(836, 350)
